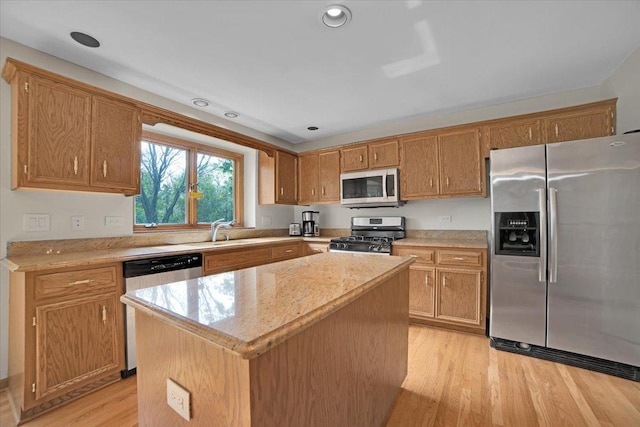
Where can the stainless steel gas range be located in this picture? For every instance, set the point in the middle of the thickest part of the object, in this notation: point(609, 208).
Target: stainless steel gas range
point(371, 235)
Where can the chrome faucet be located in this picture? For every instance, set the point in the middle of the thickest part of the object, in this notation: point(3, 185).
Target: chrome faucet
point(218, 224)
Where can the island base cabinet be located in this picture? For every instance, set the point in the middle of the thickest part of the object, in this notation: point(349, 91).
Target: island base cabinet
point(344, 370)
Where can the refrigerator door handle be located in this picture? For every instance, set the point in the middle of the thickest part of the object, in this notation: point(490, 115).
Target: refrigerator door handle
point(542, 262)
point(553, 235)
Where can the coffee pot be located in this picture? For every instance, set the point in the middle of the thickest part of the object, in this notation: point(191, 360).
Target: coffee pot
point(311, 224)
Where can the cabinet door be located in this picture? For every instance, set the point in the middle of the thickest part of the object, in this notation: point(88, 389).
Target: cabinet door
point(580, 125)
point(421, 295)
point(458, 296)
point(286, 182)
point(76, 340)
point(115, 146)
point(308, 179)
point(459, 155)
point(419, 167)
point(515, 134)
point(354, 159)
point(329, 176)
point(383, 154)
point(58, 135)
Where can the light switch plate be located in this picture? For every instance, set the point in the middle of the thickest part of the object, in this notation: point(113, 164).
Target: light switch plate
point(179, 399)
point(35, 222)
point(113, 221)
point(266, 220)
point(445, 218)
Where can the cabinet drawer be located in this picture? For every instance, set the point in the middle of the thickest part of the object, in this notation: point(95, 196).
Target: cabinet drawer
point(76, 283)
point(235, 260)
point(471, 258)
point(285, 252)
point(422, 255)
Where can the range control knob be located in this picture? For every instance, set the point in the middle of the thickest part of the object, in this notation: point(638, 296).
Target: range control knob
point(342, 246)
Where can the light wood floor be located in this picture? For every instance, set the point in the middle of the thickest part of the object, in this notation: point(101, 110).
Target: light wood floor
point(454, 379)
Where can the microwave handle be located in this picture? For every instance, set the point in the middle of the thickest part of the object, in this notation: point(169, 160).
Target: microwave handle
point(385, 180)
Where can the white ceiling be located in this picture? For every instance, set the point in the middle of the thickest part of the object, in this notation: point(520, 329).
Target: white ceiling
point(277, 65)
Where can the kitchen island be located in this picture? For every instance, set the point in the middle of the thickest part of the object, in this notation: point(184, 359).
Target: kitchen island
point(313, 341)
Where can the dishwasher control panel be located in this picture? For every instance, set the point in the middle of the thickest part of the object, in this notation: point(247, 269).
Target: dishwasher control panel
point(155, 265)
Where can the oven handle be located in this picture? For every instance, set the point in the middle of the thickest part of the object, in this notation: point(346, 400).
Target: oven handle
point(358, 252)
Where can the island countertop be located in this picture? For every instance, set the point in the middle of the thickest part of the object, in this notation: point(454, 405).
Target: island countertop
point(249, 311)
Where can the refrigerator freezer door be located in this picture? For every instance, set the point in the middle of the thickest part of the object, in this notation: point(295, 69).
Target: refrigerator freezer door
point(594, 304)
point(518, 297)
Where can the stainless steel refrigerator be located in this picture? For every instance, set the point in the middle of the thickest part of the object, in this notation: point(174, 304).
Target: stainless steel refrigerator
point(565, 252)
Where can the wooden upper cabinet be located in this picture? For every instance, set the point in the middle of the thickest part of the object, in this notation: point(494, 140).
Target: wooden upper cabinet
point(329, 176)
point(277, 180)
point(460, 162)
point(67, 138)
point(515, 134)
point(115, 145)
point(591, 123)
point(308, 179)
point(56, 137)
point(419, 167)
point(355, 158)
point(383, 154)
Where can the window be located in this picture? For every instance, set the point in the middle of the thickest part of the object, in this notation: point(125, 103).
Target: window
point(186, 185)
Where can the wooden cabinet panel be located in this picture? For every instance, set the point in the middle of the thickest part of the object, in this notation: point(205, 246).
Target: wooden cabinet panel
point(76, 340)
point(579, 125)
point(459, 156)
point(383, 154)
point(76, 283)
point(355, 158)
point(458, 297)
point(419, 176)
point(278, 178)
point(219, 262)
point(115, 145)
point(421, 295)
point(422, 255)
point(288, 251)
point(515, 134)
point(308, 179)
point(460, 258)
point(329, 176)
point(59, 125)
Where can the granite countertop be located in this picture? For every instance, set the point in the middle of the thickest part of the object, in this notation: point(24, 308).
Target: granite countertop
point(42, 261)
point(443, 242)
point(249, 311)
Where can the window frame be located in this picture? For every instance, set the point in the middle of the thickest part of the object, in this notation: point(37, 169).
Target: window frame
point(193, 149)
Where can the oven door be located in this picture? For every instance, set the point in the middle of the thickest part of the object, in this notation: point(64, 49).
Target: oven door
point(378, 187)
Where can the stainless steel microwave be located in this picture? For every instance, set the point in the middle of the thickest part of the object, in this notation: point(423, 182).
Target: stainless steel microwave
point(374, 188)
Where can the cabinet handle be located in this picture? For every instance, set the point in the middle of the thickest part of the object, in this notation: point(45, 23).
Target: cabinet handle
point(323, 191)
point(104, 169)
point(281, 191)
point(556, 129)
point(313, 191)
point(75, 165)
point(104, 314)
point(375, 156)
point(426, 280)
point(530, 134)
point(444, 282)
point(288, 251)
point(458, 258)
point(361, 159)
point(431, 182)
point(80, 282)
point(447, 181)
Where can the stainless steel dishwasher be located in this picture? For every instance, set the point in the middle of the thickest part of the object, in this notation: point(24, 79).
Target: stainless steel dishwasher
point(149, 272)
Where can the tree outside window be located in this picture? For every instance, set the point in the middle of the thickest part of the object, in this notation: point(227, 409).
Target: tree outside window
point(184, 184)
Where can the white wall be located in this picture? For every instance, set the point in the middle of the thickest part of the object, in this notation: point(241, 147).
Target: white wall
point(625, 84)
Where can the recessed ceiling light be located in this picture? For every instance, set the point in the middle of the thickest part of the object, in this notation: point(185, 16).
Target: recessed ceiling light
point(312, 128)
point(200, 102)
point(84, 39)
point(231, 114)
point(336, 15)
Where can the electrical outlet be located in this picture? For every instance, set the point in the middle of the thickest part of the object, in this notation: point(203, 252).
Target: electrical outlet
point(445, 218)
point(113, 221)
point(266, 220)
point(77, 223)
point(179, 399)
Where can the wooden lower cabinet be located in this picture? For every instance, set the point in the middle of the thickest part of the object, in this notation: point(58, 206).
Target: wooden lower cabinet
point(447, 287)
point(239, 258)
point(66, 335)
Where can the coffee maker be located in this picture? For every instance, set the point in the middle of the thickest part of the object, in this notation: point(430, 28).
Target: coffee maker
point(311, 224)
